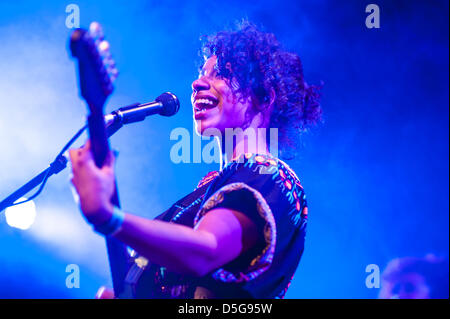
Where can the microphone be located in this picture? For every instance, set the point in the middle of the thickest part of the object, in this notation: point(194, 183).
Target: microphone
point(166, 104)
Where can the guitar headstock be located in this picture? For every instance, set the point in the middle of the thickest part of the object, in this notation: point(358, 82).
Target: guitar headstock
point(96, 68)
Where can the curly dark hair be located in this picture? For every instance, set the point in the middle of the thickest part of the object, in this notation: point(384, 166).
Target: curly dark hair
point(259, 64)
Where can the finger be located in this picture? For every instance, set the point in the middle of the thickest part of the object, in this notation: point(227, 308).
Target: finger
point(85, 149)
point(108, 166)
point(85, 155)
point(110, 159)
point(78, 158)
point(87, 145)
point(73, 155)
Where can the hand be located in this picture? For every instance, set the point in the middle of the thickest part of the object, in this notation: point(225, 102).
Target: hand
point(95, 186)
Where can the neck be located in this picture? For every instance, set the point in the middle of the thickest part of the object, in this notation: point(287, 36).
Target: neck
point(238, 142)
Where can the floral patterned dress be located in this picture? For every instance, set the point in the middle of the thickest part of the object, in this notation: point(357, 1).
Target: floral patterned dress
point(267, 191)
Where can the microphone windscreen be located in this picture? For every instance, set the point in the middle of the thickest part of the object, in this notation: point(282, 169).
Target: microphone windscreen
point(170, 103)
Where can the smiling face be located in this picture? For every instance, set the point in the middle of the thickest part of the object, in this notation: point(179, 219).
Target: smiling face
point(215, 106)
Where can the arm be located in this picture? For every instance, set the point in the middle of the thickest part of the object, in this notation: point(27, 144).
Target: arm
point(220, 236)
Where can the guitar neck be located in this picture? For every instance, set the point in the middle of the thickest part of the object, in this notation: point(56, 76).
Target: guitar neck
point(99, 139)
point(96, 74)
point(117, 252)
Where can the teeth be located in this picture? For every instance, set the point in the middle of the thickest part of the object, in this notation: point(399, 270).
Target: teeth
point(205, 101)
point(201, 108)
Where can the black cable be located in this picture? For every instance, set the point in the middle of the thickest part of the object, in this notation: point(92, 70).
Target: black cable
point(55, 167)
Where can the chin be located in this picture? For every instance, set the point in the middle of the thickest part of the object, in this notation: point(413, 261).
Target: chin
point(203, 128)
point(198, 128)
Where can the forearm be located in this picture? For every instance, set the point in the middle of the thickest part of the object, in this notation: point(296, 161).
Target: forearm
point(219, 237)
point(177, 247)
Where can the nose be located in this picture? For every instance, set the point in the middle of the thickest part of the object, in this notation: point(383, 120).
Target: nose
point(200, 84)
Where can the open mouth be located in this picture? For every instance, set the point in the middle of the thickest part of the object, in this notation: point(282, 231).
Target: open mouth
point(202, 104)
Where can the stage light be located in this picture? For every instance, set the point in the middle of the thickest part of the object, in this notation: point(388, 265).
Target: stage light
point(21, 216)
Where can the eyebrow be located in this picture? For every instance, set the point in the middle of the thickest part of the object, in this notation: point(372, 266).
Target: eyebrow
point(202, 71)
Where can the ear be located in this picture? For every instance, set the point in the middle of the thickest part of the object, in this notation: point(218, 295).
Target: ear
point(228, 67)
point(263, 107)
point(266, 111)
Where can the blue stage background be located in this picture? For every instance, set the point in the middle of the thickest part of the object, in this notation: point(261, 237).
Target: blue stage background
point(375, 172)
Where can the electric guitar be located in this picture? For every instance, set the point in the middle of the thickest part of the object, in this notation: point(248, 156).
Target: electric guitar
point(96, 74)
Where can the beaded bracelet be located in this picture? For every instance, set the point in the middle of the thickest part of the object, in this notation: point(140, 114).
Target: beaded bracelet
point(113, 225)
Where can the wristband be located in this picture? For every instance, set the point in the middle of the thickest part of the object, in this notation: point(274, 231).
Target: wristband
point(113, 225)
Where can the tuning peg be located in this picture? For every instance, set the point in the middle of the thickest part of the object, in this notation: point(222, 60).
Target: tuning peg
point(96, 31)
point(103, 47)
point(113, 73)
point(109, 63)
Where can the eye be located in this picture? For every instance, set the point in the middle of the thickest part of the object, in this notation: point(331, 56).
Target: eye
point(219, 76)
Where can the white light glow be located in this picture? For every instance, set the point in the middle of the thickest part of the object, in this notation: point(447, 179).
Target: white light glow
point(21, 216)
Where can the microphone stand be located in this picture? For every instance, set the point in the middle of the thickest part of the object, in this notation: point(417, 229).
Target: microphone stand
point(55, 167)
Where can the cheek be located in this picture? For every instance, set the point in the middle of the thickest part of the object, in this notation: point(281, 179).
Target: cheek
point(234, 112)
point(224, 91)
point(229, 113)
